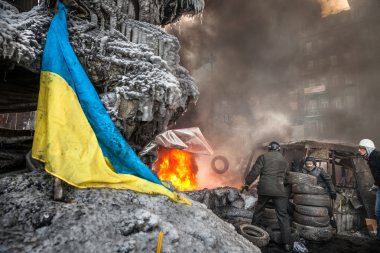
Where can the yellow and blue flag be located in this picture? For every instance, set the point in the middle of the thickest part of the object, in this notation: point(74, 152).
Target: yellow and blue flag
point(74, 135)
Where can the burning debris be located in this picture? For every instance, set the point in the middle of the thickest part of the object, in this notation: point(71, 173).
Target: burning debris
point(178, 167)
point(176, 152)
point(135, 67)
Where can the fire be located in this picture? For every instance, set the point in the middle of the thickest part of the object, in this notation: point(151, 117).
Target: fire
point(178, 167)
point(333, 6)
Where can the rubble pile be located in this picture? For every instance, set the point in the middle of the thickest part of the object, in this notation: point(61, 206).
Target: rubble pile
point(348, 211)
point(228, 203)
point(105, 220)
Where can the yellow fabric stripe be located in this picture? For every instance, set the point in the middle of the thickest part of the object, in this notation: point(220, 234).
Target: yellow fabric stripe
point(65, 141)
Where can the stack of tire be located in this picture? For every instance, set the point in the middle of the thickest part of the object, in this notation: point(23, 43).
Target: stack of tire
point(310, 216)
point(270, 222)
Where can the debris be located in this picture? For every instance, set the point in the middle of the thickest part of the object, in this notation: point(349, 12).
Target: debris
point(299, 246)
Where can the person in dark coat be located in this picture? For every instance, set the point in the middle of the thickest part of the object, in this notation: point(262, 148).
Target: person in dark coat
point(271, 167)
point(323, 179)
point(368, 150)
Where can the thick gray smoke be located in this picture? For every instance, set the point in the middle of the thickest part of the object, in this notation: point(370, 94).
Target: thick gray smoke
point(245, 58)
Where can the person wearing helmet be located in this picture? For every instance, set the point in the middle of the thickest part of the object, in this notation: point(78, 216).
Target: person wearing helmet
point(323, 179)
point(368, 151)
point(271, 167)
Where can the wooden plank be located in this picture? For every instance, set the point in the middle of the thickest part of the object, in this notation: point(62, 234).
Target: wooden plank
point(364, 182)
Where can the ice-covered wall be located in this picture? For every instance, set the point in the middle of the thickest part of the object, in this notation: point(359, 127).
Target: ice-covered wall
point(133, 63)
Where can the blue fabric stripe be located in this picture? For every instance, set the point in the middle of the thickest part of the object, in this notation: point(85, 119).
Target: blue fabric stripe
point(60, 58)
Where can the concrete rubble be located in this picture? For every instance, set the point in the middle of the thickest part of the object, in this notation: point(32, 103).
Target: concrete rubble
point(105, 220)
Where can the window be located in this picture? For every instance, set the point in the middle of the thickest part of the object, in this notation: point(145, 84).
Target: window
point(338, 103)
point(309, 47)
point(324, 103)
point(312, 105)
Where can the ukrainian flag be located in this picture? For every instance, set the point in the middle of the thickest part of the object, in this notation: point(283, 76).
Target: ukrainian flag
point(74, 135)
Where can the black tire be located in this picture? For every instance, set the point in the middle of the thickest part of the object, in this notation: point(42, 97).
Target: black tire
point(254, 234)
point(275, 235)
point(313, 221)
point(300, 178)
point(308, 189)
point(31, 163)
point(312, 200)
point(270, 213)
point(312, 210)
point(225, 162)
point(270, 223)
point(317, 234)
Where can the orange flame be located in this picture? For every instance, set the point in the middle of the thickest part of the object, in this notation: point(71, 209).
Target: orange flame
point(329, 7)
point(178, 167)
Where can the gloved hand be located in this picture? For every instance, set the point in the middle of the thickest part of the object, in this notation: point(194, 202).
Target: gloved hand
point(333, 195)
point(373, 188)
point(244, 188)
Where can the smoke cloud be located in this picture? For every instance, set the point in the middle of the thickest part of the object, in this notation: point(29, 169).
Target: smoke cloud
point(245, 57)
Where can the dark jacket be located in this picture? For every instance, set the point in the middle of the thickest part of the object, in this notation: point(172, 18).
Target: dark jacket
point(374, 165)
point(323, 178)
point(271, 167)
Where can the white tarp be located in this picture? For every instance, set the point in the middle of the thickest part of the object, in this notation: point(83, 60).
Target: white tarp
point(188, 139)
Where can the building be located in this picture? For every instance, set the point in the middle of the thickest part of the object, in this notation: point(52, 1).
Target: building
point(338, 62)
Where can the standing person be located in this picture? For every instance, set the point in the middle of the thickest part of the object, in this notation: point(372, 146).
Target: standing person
point(271, 167)
point(368, 150)
point(323, 179)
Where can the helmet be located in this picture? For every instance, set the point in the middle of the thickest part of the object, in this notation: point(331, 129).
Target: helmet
point(312, 159)
point(274, 146)
point(367, 143)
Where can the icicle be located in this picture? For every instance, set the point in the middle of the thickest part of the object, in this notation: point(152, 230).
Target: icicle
point(122, 28)
point(135, 35)
point(19, 55)
point(113, 22)
point(119, 3)
point(103, 42)
point(160, 48)
point(128, 31)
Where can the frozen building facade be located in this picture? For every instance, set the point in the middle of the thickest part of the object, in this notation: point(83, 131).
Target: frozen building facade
point(337, 78)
